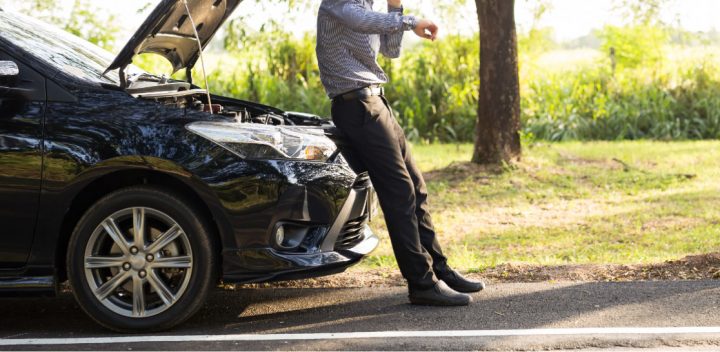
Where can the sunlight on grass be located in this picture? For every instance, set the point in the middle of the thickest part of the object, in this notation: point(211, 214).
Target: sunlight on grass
point(572, 203)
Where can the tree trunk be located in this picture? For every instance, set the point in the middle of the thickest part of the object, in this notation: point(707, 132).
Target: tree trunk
point(498, 125)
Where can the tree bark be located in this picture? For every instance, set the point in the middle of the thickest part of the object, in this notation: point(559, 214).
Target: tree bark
point(498, 125)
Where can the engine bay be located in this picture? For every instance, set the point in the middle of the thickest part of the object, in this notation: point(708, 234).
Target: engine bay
point(185, 95)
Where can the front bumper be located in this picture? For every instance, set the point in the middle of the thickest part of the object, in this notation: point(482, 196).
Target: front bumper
point(322, 249)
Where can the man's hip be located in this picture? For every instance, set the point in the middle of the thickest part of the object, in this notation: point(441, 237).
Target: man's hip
point(362, 93)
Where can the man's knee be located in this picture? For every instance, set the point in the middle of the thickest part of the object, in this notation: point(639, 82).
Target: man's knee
point(397, 199)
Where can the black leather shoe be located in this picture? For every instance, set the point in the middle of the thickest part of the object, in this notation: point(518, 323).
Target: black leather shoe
point(439, 295)
point(458, 283)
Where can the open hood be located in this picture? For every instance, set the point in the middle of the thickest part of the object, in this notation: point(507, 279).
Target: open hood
point(168, 31)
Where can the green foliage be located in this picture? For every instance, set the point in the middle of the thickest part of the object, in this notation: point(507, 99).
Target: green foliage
point(650, 93)
point(536, 41)
point(678, 102)
point(433, 88)
point(272, 67)
point(645, 12)
point(634, 46)
point(153, 63)
point(45, 10)
point(570, 202)
point(83, 20)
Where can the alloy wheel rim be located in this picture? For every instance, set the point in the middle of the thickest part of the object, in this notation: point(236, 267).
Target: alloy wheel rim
point(138, 262)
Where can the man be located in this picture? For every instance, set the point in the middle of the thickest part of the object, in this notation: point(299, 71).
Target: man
point(350, 36)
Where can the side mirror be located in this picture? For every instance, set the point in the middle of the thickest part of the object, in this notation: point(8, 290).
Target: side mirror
point(9, 73)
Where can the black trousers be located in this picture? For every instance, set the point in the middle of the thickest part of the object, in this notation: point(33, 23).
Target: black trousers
point(379, 147)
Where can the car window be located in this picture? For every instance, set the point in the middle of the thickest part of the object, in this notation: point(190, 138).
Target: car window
point(65, 52)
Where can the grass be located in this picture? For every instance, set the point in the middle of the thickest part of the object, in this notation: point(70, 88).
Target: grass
point(572, 203)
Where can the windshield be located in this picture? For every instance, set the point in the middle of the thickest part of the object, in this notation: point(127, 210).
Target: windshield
point(61, 50)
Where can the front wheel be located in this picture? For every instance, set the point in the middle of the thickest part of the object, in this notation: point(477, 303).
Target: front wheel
point(141, 259)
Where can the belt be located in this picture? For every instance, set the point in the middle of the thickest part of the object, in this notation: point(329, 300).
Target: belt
point(362, 93)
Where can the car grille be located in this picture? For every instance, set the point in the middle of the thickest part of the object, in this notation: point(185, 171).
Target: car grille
point(352, 233)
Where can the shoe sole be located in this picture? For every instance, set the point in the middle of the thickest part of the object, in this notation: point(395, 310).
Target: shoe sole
point(468, 291)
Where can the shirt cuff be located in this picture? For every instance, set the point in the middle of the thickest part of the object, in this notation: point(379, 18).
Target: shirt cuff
point(409, 23)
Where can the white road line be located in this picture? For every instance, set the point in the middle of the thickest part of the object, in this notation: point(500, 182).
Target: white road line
point(363, 335)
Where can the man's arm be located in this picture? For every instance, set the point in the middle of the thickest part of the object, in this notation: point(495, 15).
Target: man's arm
point(391, 43)
point(353, 14)
point(390, 25)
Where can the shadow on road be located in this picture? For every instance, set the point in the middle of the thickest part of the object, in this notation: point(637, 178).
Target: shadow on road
point(502, 306)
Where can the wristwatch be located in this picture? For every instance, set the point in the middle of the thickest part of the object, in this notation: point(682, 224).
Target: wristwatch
point(409, 23)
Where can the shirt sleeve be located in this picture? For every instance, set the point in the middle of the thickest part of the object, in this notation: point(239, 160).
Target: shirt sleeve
point(353, 14)
point(391, 43)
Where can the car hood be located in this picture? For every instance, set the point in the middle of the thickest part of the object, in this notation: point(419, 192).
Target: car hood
point(168, 31)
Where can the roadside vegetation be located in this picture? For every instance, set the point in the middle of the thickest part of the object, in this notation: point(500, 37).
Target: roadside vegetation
point(572, 203)
point(566, 94)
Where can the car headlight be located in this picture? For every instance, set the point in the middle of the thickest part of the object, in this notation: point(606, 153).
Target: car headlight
point(256, 141)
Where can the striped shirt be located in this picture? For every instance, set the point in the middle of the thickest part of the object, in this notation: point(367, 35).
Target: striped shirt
point(349, 37)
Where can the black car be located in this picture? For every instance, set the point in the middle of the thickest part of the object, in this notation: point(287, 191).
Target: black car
point(143, 192)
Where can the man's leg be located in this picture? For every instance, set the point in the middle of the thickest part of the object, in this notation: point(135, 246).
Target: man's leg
point(426, 229)
point(428, 236)
point(369, 127)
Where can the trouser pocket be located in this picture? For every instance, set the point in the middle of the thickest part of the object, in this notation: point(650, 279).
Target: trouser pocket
point(375, 107)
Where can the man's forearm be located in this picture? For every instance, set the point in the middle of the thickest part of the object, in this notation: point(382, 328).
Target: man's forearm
point(391, 44)
point(362, 20)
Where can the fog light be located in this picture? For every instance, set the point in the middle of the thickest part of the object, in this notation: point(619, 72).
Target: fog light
point(280, 235)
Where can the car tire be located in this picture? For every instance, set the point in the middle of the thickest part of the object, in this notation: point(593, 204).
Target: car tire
point(147, 283)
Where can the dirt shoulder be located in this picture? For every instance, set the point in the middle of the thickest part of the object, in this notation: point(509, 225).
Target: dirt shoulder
point(698, 267)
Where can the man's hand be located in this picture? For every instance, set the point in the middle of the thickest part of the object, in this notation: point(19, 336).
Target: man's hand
point(426, 29)
point(395, 3)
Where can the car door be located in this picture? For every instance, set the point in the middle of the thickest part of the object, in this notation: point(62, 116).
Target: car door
point(21, 118)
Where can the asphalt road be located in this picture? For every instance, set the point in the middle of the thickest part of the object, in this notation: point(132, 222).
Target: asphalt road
point(287, 315)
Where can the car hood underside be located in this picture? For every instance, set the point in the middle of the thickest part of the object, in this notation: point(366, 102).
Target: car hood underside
point(169, 32)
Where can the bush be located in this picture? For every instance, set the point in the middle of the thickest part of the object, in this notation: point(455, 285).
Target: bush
point(680, 102)
point(433, 87)
point(635, 46)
